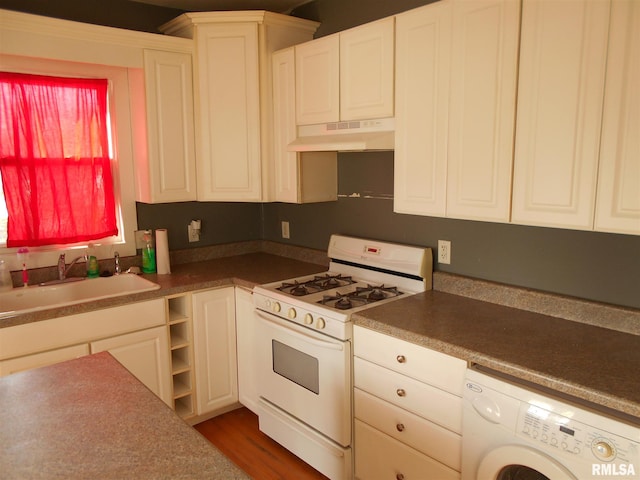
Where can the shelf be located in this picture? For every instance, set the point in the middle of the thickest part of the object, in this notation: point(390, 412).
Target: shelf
point(184, 406)
point(179, 334)
point(179, 321)
point(180, 360)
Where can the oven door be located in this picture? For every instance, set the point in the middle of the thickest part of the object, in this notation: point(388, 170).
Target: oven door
point(306, 374)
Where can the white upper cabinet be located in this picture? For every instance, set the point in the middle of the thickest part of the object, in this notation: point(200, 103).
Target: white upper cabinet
point(228, 108)
point(423, 46)
point(346, 76)
point(170, 172)
point(299, 177)
point(317, 65)
point(563, 57)
point(366, 71)
point(482, 105)
point(618, 195)
point(233, 98)
point(456, 69)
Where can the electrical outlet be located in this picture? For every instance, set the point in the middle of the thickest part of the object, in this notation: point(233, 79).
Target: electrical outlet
point(444, 251)
point(285, 229)
point(194, 234)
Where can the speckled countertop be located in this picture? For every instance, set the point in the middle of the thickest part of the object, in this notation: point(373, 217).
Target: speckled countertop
point(246, 270)
point(90, 418)
point(591, 363)
point(550, 340)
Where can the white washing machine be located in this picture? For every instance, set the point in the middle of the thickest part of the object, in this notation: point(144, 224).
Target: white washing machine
point(515, 433)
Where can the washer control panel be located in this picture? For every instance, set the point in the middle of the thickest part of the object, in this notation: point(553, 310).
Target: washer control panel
point(556, 432)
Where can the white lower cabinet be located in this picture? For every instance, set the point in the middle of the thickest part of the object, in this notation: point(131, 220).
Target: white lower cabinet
point(246, 341)
point(135, 334)
point(144, 354)
point(407, 407)
point(214, 333)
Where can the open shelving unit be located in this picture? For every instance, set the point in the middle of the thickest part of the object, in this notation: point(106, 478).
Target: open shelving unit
point(180, 326)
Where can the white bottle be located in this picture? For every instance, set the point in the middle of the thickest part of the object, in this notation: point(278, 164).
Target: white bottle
point(6, 283)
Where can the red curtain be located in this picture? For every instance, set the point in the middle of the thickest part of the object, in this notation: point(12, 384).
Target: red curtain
point(54, 160)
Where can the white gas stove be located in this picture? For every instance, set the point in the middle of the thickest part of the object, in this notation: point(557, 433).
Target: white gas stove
point(362, 273)
point(303, 344)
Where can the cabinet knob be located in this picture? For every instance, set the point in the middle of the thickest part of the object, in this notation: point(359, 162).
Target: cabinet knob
point(399, 476)
point(401, 392)
point(401, 359)
point(400, 427)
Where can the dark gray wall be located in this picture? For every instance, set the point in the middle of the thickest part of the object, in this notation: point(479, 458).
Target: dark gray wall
point(596, 266)
point(221, 222)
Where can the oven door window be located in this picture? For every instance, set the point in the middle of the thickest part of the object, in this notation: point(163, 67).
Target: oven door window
point(296, 366)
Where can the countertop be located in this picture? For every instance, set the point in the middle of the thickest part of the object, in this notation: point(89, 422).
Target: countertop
point(587, 362)
point(573, 357)
point(246, 270)
point(90, 418)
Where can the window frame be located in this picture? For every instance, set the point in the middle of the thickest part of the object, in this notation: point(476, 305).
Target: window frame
point(123, 87)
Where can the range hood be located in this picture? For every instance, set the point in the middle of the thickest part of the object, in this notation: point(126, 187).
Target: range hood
point(351, 136)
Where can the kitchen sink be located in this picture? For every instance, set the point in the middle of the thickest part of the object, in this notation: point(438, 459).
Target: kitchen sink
point(30, 299)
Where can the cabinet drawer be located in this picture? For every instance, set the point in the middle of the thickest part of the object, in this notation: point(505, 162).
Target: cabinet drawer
point(80, 328)
point(426, 437)
point(36, 360)
point(380, 457)
point(435, 368)
point(429, 402)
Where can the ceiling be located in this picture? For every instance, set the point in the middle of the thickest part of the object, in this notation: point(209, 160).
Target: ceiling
point(279, 6)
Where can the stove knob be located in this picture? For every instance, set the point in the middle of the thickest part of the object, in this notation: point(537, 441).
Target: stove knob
point(308, 319)
point(320, 324)
point(276, 307)
point(292, 313)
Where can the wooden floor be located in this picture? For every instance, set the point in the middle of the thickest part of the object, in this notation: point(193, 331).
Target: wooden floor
point(236, 434)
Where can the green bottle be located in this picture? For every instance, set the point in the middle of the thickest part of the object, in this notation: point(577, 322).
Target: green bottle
point(148, 253)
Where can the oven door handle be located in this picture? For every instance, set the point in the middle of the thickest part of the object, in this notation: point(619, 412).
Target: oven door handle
point(276, 323)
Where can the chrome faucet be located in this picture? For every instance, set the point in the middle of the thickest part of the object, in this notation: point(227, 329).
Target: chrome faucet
point(116, 258)
point(63, 269)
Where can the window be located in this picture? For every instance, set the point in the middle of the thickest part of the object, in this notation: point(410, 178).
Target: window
point(127, 126)
point(54, 160)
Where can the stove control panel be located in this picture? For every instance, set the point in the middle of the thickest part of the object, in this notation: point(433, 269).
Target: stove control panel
point(299, 314)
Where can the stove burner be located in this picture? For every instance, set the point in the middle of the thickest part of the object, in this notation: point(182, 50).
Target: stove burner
point(377, 292)
point(359, 296)
point(296, 289)
point(317, 284)
point(342, 302)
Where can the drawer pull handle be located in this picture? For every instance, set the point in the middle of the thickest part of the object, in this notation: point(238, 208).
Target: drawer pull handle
point(401, 392)
point(401, 359)
point(399, 476)
point(400, 427)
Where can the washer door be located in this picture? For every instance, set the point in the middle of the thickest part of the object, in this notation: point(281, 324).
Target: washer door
point(504, 463)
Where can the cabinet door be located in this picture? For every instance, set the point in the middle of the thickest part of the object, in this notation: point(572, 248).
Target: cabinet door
point(299, 177)
point(170, 175)
point(214, 332)
point(482, 109)
point(14, 365)
point(366, 71)
point(146, 355)
point(560, 95)
point(228, 109)
point(246, 342)
point(284, 125)
point(423, 39)
point(318, 81)
point(618, 201)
